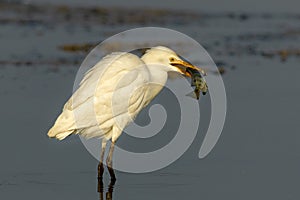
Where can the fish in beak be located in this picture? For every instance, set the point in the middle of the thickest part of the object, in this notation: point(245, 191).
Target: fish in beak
point(198, 82)
point(194, 73)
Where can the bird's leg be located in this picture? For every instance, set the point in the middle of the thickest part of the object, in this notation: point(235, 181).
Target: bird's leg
point(109, 162)
point(100, 165)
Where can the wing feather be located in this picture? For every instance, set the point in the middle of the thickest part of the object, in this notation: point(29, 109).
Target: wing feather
point(100, 99)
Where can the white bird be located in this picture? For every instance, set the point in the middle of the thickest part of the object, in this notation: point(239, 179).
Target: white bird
point(112, 93)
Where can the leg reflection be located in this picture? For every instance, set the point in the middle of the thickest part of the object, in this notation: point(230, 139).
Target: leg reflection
point(100, 188)
point(109, 190)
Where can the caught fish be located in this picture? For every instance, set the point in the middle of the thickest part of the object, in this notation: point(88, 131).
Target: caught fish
point(198, 82)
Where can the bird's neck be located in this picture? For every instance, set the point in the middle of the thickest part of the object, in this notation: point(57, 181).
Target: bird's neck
point(158, 79)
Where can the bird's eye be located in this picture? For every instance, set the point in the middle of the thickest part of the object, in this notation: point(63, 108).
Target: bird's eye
point(172, 59)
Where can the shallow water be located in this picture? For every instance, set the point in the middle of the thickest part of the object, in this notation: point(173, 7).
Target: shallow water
point(257, 156)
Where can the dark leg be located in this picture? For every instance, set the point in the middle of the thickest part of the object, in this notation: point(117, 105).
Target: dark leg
point(100, 165)
point(109, 162)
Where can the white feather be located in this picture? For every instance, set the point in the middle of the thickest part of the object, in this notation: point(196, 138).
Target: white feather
point(112, 93)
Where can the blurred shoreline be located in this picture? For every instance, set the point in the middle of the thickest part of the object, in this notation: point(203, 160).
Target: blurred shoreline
point(62, 35)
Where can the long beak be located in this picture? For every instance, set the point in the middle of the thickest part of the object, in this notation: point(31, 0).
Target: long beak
point(178, 63)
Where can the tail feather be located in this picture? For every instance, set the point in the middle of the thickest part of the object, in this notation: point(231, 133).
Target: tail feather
point(60, 136)
point(64, 126)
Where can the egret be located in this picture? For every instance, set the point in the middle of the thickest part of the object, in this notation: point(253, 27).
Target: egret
point(100, 108)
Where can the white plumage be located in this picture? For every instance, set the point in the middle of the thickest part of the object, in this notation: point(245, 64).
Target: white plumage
point(113, 92)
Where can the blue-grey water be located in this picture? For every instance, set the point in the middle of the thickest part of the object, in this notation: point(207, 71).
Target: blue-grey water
point(257, 156)
point(287, 6)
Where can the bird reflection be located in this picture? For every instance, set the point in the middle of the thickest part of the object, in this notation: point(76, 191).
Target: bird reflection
point(108, 195)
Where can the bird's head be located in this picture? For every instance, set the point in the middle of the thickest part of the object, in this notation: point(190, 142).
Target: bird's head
point(167, 60)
